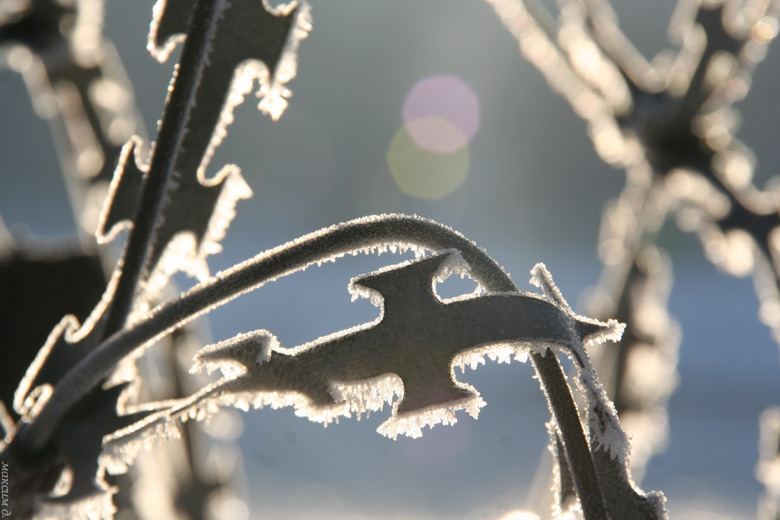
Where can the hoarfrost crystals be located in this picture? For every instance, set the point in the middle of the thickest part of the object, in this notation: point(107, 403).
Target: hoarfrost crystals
point(604, 425)
point(273, 96)
point(121, 448)
point(406, 357)
point(411, 424)
point(501, 353)
point(368, 396)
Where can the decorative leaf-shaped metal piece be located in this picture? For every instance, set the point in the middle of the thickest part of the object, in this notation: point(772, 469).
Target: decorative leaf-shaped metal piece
point(191, 229)
point(68, 343)
point(252, 41)
point(410, 351)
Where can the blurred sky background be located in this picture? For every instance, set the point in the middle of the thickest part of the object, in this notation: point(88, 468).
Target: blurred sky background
point(532, 191)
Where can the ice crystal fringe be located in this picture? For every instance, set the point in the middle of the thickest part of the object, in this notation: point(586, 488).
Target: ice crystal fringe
point(411, 424)
point(604, 425)
point(185, 252)
point(272, 89)
point(245, 359)
point(372, 233)
point(273, 96)
point(605, 432)
point(117, 457)
point(362, 235)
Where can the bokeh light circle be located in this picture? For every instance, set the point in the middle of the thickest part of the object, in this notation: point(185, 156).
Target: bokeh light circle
point(436, 134)
point(423, 173)
point(441, 99)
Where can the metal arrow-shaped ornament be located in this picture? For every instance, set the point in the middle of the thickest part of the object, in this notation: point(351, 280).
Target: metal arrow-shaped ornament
point(409, 351)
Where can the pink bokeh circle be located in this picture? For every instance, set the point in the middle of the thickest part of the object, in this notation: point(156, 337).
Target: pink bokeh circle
point(441, 113)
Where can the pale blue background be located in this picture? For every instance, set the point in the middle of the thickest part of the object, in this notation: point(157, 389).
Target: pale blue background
point(534, 193)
